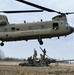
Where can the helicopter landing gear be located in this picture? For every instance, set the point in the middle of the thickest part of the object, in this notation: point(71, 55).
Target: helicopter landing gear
point(40, 41)
point(2, 44)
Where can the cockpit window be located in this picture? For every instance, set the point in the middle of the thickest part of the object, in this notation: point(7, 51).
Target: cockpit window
point(66, 24)
point(55, 26)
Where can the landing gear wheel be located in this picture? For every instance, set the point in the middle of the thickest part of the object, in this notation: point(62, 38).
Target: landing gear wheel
point(40, 41)
point(2, 44)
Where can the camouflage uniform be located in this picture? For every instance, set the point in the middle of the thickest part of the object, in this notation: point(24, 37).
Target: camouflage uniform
point(41, 59)
point(34, 56)
point(44, 53)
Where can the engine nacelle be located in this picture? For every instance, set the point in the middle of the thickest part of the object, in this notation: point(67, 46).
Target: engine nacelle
point(60, 18)
point(3, 23)
point(3, 20)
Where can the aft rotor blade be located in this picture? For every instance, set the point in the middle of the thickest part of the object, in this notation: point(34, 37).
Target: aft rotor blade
point(37, 6)
point(22, 11)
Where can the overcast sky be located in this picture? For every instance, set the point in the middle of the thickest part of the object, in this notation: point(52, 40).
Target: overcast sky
point(62, 48)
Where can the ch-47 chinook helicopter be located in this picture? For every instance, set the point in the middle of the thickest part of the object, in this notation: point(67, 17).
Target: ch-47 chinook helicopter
point(37, 30)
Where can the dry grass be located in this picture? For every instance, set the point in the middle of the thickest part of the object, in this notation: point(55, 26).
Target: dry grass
point(22, 70)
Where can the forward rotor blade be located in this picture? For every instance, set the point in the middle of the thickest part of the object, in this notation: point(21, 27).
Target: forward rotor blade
point(37, 6)
point(43, 8)
point(22, 11)
point(67, 13)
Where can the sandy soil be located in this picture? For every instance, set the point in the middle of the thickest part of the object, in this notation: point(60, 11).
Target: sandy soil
point(10, 62)
point(62, 69)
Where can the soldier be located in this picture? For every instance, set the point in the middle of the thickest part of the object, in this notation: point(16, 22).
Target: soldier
point(29, 59)
point(44, 53)
point(41, 59)
point(34, 56)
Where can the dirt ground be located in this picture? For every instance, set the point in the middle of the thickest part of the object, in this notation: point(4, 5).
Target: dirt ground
point(50, 70)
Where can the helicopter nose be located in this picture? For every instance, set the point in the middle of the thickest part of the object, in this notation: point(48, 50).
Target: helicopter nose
point(71, 29)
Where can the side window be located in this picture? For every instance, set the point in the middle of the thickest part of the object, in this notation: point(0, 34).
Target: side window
point(55, 26)
point(13, 28)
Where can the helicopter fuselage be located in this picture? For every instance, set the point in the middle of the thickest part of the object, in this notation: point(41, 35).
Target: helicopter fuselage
point(27, 31)
point(35, 30)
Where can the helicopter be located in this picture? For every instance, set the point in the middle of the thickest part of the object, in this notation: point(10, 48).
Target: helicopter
point(43, 60)
point(35, 30)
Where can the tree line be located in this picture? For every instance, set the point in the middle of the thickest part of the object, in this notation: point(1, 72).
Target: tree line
point(3, 58)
